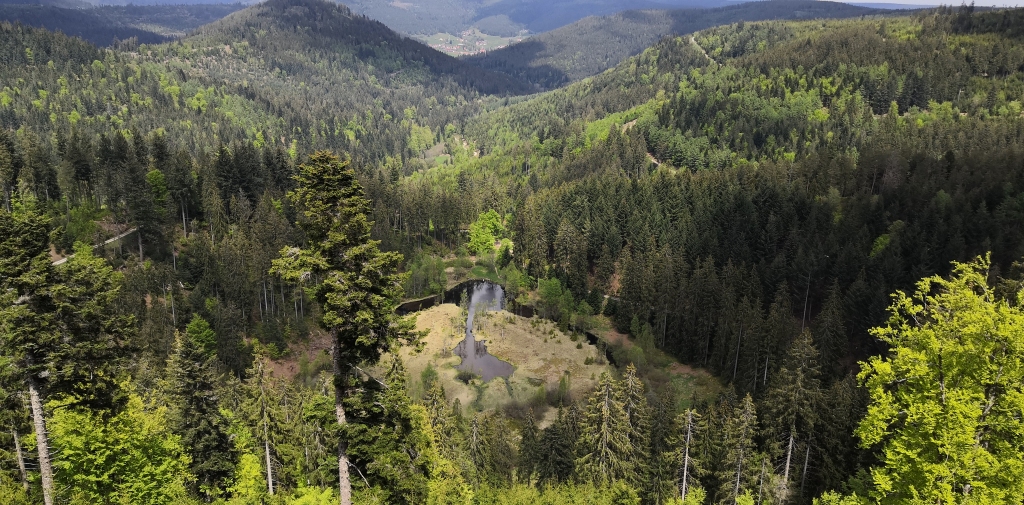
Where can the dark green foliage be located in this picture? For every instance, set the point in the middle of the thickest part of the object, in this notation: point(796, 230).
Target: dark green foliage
point(591, 45)
point(191, 390)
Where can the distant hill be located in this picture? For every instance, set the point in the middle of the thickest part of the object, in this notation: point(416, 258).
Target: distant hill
point(103, 25)
point(302, 35)
point(595, 44)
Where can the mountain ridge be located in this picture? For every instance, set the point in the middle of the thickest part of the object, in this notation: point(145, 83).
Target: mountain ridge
point(594, 44)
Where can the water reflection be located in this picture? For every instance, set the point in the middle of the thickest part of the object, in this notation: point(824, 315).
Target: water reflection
point(482, 296)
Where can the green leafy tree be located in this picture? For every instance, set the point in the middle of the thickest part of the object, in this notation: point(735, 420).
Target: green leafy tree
point(199, 331)
point(131, 458)
point(58, 324)
point(357, 285)
point(946, 401)
point(485, 231)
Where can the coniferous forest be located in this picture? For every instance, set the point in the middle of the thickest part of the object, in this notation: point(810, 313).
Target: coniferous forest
point(766, 262)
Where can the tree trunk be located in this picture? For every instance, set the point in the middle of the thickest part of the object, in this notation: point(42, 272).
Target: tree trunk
point(686, 453)
point(21, 459)
point(344, 484)
point(39, 422)
point(807, 458)
point(266, 449)
point(789, 457)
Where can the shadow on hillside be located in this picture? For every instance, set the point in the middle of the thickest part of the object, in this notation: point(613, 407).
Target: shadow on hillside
point(517, 60)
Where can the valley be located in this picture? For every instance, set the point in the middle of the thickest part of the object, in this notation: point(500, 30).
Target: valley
point(764, 253)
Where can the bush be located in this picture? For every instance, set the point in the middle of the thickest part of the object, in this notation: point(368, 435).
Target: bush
point(465, 376)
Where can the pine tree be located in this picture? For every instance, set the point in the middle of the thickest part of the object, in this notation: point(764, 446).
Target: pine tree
point(830, 331)
point(605, 453)
point(557, 462)
point(358, 287)
point(529, 450)
point(741, 469)
point(59, 324)
point(197, 416)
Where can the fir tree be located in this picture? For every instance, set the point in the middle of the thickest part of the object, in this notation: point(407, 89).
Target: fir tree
point(358, 286)
point(830, 331)
point(605, 453)
point(529, 450)
point(197, 416)
point(557, 455)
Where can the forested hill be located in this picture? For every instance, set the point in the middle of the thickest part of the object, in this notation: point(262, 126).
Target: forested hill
point(594, 44)
point(105, 25)
point(280, 72)
point(296, 34)
point(749, 204)
point(818, 165)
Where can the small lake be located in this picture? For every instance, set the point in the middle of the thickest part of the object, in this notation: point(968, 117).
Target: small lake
point(481, 296)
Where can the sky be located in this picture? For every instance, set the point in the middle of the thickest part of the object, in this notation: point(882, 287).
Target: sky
point(987, 3)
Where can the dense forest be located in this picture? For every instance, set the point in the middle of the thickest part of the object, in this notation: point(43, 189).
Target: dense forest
point(591, 45)
point(826, 216)
point(110, 25)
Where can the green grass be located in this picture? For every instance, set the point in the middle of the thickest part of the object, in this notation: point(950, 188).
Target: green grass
point(482, 272)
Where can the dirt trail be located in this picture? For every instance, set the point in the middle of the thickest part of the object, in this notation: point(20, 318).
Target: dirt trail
point(705, 53)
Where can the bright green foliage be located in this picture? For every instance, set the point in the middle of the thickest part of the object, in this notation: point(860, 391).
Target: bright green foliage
point(485, 231)
point(565, 494)
point(12, 493)
point(250, 486)
point(199, 332)
point(313, 496)
point(833, 498)
point(426, 276)
point(131, 458)
point(250, 482)
point(946, 403)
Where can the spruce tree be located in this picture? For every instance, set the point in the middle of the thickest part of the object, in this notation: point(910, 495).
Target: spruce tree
point(740, 469)
point(58, 324)
point(529, 450)
point(605, 452)
point(357, 285)
point(197, 416)
point(792, 404)
point(557, 459)
point(634, 403)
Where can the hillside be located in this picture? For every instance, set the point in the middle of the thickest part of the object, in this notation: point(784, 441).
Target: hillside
point(494, 17)
point(103, 25)
point(254, 74)
point(332, 31)
point(766, 262)
point(591, 45)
